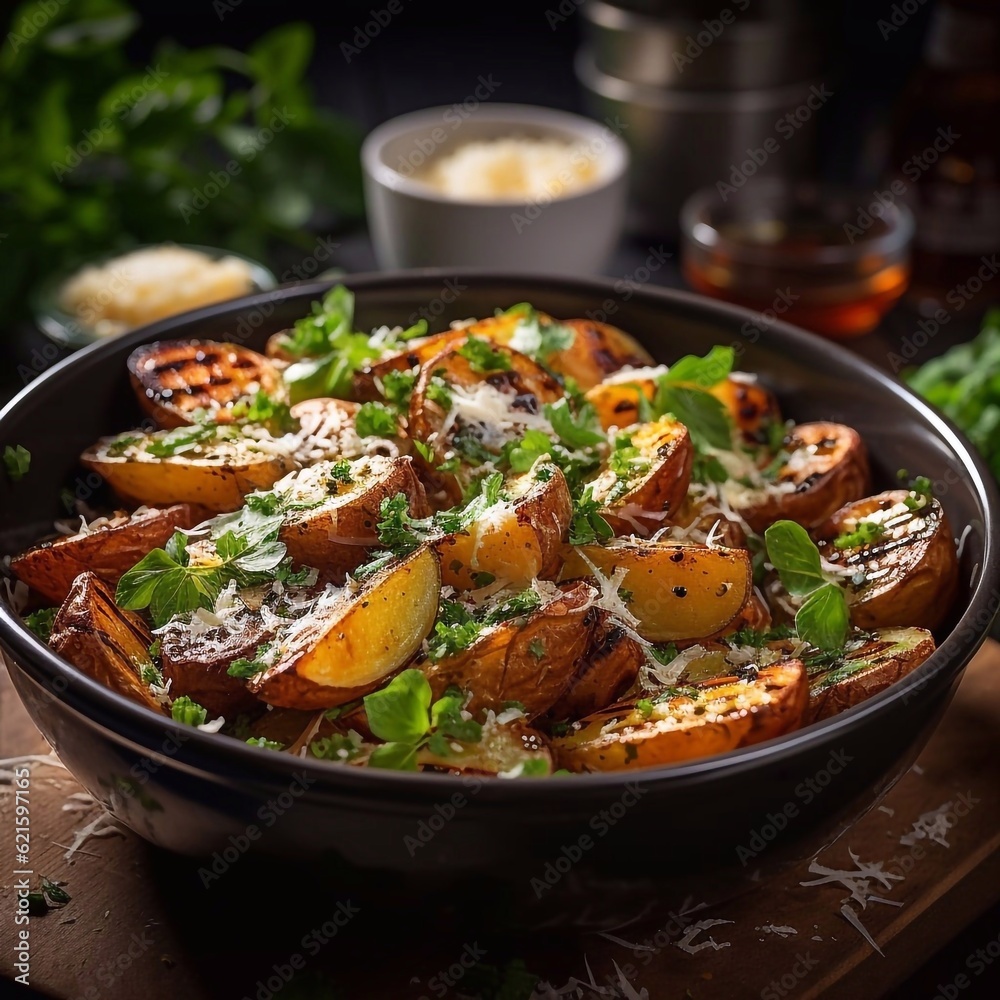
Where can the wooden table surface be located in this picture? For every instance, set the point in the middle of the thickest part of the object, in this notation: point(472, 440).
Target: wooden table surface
point(925, 863)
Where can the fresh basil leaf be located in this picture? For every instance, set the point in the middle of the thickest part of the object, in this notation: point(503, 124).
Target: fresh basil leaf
point(399, 711)
point(794, 555)
point(824, 618)
point(703, 415)
point(704, 372)
point(136, 587)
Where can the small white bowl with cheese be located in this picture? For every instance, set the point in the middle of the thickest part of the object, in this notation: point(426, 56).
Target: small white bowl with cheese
point(504, 186)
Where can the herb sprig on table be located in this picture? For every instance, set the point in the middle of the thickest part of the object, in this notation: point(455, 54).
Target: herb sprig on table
point(965, 383)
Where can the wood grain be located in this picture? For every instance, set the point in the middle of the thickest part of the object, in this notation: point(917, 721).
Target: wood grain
point(185, 942)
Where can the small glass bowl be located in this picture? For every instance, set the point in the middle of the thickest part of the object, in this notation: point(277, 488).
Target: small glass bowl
point(830, 259)
point(71, 331)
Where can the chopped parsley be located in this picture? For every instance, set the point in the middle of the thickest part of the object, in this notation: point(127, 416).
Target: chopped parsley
point(588, 524)
point(17, 461)
point(180, 439)
point(458, 628)
point(338, 747)
point(864, 533)
point(340, 473)
point(483, 357)
point(537, 648)
point(260, 741)
point(397, 387)
point(246, 668)
point(246, 550)
point(539, 338)
point(264, 409)
point(376, 420)
point(151, 674)
point(187, 712)
point(40, 622)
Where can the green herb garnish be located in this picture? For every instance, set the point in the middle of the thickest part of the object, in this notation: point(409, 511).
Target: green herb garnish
point(402, 713)
point(376, 420)
point(187, 712)
point(40, 622)
point(17, 461)
point(483, 357)
point(823, 618)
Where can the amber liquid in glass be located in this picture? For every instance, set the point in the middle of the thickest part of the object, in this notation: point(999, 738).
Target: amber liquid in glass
point(843, 299)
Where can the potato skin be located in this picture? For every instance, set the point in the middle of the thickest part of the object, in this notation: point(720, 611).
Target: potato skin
point(522, 545)
point(358, 641)
point(501, 666)
point(197, 666)
point(621, 738)
point(338, 536)
point(219, 483)
point(50, 568)
point(606, 670)
point(679, 591)
point(835, 473)
point(888, 658)
point(911, 573)
point(650, 502)
point(597, 351)
point(103, 641)
point(171, 379)
point(524, 380)
point(751, 405)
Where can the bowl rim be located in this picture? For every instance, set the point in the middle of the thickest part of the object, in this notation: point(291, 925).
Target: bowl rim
point(513, 115)
point(94, 701)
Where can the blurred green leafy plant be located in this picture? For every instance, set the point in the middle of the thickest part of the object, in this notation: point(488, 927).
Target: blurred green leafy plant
point(209, 145)
point(965, 383)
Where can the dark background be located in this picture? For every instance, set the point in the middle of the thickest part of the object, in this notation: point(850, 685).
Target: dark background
point(433, 53)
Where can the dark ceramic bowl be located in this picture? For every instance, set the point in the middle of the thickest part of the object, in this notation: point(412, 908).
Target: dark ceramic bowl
point(532, 848)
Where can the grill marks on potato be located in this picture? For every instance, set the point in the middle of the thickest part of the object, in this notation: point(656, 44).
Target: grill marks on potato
point(173, 379)
point(713, 717)
point(906, 576)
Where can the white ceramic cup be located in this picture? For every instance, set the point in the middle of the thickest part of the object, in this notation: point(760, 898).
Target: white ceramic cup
point(414, 225)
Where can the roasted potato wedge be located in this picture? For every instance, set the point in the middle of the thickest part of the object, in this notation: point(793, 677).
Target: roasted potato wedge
point(504, 749)
point(334, 527)
point(528, 659)
point(713, 718)
point(516, 540)
point(366, 381)
point(195, 662)
point(598, 349)
point(606, 670)
point(487, 408)
point(104, 642)
point(642, 492)
point(675, 590)
point(863, 672)
point(174, 378)
point(216, 472)
point(907, 573)
point(356, 639)
point(109, 547)
point(827, 467)
point(752, 406)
